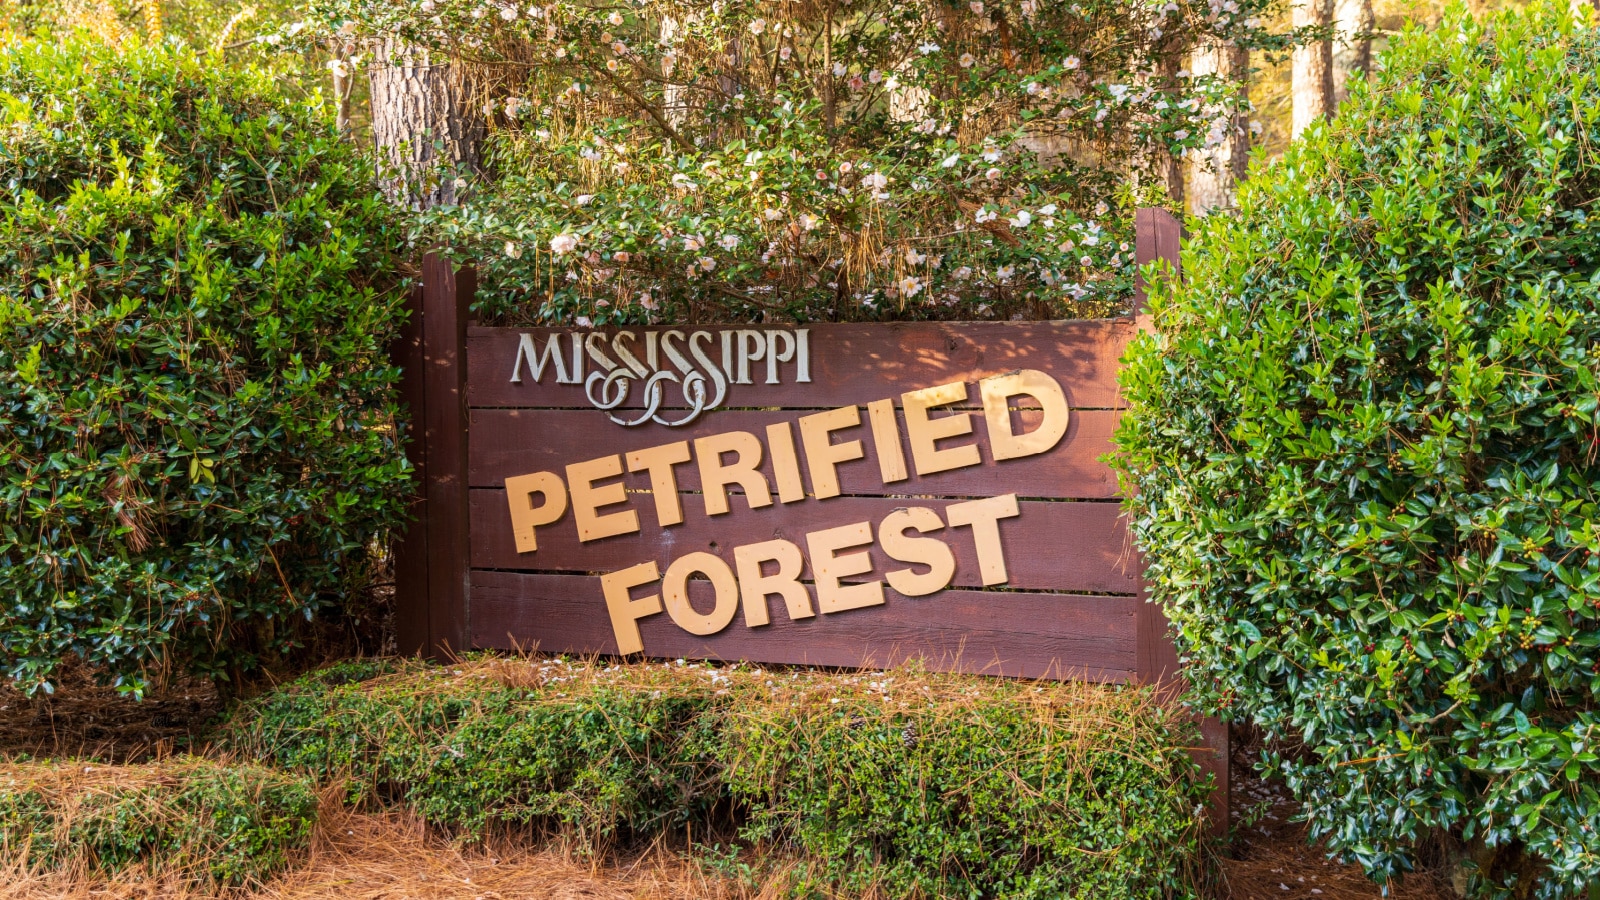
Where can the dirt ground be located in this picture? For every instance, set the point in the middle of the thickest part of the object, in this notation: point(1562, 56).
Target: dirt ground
point(367, 857)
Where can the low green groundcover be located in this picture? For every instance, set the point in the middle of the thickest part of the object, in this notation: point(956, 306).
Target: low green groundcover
point(219, 824)
point(914, 784)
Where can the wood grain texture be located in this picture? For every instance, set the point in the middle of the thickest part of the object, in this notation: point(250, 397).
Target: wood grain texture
point(508, 442)
point(446, 295)
point(411, 601)
point(992, 632)
point(1049, 546)
point(854, 363)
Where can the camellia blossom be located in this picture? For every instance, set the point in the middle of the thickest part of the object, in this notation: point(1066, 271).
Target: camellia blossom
point(950, 160)
point(615, 18)
point(563, 244)
point(1070, 63)
point(729, 242)
point(967, 59)
point(707, 263)
point(909, 287)
point(513, 250)
point(693, 242)
point(1021, 219)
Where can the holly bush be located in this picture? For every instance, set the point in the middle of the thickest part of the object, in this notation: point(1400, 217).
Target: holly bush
point(1363, 440)
point(197, 436)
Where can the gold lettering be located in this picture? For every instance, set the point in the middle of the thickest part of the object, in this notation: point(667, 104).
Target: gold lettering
point(997, 392)
point(588, 498)
point(658, 461)
point(675, 591)
point(715, 476)
point(625, 611)
point(823, 456)
point(924, 433)
point(886, 441)
point(526, 518)
point(785, 464)
point(829, 568)
point(930, 552)
point(756, 587)
point(984, 516)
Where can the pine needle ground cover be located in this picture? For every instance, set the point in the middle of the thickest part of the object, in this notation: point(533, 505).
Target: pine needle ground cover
point(195, 820)
point(901, 783)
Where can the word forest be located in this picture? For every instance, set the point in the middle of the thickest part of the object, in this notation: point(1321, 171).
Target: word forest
point(804, 451)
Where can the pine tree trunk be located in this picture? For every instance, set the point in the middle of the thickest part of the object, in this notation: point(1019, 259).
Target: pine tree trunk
point(1312, 76)
point(1216, 172)
point(1352, 56)
point(426, 136)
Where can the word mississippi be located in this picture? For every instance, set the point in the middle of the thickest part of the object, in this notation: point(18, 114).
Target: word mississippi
point(600, 505)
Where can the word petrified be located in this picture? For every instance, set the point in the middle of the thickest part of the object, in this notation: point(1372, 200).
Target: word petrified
point(616, 362)
point(600, 505)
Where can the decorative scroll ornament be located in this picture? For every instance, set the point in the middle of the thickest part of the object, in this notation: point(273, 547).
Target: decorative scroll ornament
point(672, 359)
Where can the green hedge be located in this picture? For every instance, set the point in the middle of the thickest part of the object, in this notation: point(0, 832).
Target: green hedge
point(920, 785)
point(217, 824)
point(198, 284)
point(1363, 450)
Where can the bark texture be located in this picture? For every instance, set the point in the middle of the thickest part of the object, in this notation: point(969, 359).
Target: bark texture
point(426, 134)
point(1352, 53)
point(1312, 68)
point(1215, 173)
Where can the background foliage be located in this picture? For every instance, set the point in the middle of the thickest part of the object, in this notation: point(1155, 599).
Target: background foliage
point(914, 784)
point(197, 286)
point(1363, 446)
point(828, 159)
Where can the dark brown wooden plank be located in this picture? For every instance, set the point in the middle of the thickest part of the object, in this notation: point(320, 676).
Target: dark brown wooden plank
point(411, 606)
point(446, 295)
point(993, 632)
point(1048, 546)
point(507, 442)
point(853, 363)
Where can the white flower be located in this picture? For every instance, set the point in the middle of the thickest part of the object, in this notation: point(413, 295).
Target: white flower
point(809, 222)
point(976, 6)
point(615, 18)
point(877, 181)
point(707, 263)
point(1048, 209)
point(683, 183)
point(950, 160)
point(992, 154)
point(986, 215)
point(1033, 87)
point(967, 59)
point(1021, 219)
point(1180, 134)
point(785, 52)
point(928, 48)
point(534, 12)
point(508, 13)
point(729, 242)
point(914, 258)
point(1100, 114)
point(561, 53)
point(874, 76)
point(513, 250)
point(771, 215)
point(619, 48)
point(758, 26)
point(992, 174)
point(839, 70)
point(647, 301)
point(583, 199)
point(622, 257)
point(338, 68)
point(909, 287)
point(1086, 262)
point(694, 242)
point(1101, 208)
point(611, 65)
point(1005, 272)
point(590, 154)
point(584, 322)
point(1118, 91)
point(563, 244)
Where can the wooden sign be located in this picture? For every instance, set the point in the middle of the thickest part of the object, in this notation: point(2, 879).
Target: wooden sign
point(825, 494)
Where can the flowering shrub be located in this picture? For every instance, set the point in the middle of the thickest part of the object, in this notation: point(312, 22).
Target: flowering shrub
point(196, 405)
point(1364, 447)
point(688, 160)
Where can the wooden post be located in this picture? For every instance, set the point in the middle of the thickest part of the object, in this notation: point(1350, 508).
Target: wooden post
point(1158, 236)
point(431, 557)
